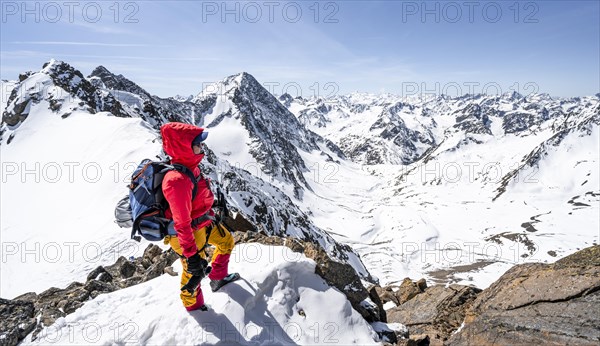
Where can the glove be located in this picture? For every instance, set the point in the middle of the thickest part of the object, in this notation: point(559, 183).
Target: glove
point(197, 265)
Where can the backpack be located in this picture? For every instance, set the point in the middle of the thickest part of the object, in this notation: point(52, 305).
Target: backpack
point(144, 208)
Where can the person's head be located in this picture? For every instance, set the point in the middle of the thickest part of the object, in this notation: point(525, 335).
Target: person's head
point(198, 143)
point(183, 143)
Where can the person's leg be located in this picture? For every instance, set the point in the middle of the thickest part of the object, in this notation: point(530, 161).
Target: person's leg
point(222, 239)
point(196, 300)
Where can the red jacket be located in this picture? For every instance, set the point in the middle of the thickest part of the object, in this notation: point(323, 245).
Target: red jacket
point(177, 187)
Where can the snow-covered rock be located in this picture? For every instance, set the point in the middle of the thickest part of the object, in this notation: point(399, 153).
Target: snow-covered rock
point(279, 300)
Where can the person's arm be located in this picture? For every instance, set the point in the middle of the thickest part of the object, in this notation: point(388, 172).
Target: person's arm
point(177, 189)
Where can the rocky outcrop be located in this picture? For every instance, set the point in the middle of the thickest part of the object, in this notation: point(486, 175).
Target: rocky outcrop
point(436, 311)
point(407, 290)
point(17, 320)
point(276, 136)
point(32, 312)
point(531, 304)
point(473, 119)
point(535, 304)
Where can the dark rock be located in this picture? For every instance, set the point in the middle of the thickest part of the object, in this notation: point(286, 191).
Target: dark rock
point(27, 297)
point(375, 299)
point(134, 280)
point(96, 285)
point(151, 252)
point(146, 263)
point(436, 312)
point(123, 268)
point(99, 274)
point(387, 294)
point(538, 303)
point(17, 320)
point(384, 333)
point(24, 76)
point(421, 340)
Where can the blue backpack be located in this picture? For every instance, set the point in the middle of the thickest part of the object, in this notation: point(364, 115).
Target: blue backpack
point(144, 208)
point(148, 204)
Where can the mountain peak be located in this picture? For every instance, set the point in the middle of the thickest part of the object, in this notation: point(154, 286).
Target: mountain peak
point(52, 66)
point(118, 82)
point(513, 96)
point(241, 79)
point(100, 70)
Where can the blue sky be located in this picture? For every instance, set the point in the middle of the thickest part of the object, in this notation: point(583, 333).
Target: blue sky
point(310, 47)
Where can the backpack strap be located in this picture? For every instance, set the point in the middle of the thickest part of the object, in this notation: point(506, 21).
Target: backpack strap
point(183, 169)
point(201, 219)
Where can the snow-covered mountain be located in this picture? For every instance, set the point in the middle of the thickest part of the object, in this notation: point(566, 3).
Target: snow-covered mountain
point(137, 102)
point(487, 181)
point(453, 189)
point(399, 130)
point(71, 168)
point(262, 133)
point(261, 202)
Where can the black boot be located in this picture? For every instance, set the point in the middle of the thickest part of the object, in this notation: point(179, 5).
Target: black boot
point(215, 285)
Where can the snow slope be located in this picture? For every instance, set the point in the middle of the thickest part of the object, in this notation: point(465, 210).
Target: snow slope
point(278, 301)
point(61, 180)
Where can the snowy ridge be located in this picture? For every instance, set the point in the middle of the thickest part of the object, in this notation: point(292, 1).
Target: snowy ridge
point(137, 102)
point(273, 212)
point(394, 129)
point(278, 301)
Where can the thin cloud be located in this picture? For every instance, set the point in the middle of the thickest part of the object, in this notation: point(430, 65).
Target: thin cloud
point(70, 43)
point(15, 54)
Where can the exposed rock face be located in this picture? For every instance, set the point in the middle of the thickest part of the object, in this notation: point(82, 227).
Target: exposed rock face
point(263, 207)
point(65, 85)
point(119, 82)
point(276, 136)
point(339, 275)
point(437, 312)
point(17, 320)
point(140, 103)
point(531, 304)
point(535, 304)
point(472, 119)
point(19, 316)
point(405, 129)
point(399, 295)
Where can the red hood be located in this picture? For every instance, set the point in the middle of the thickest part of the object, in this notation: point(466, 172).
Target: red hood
point(177, 143)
